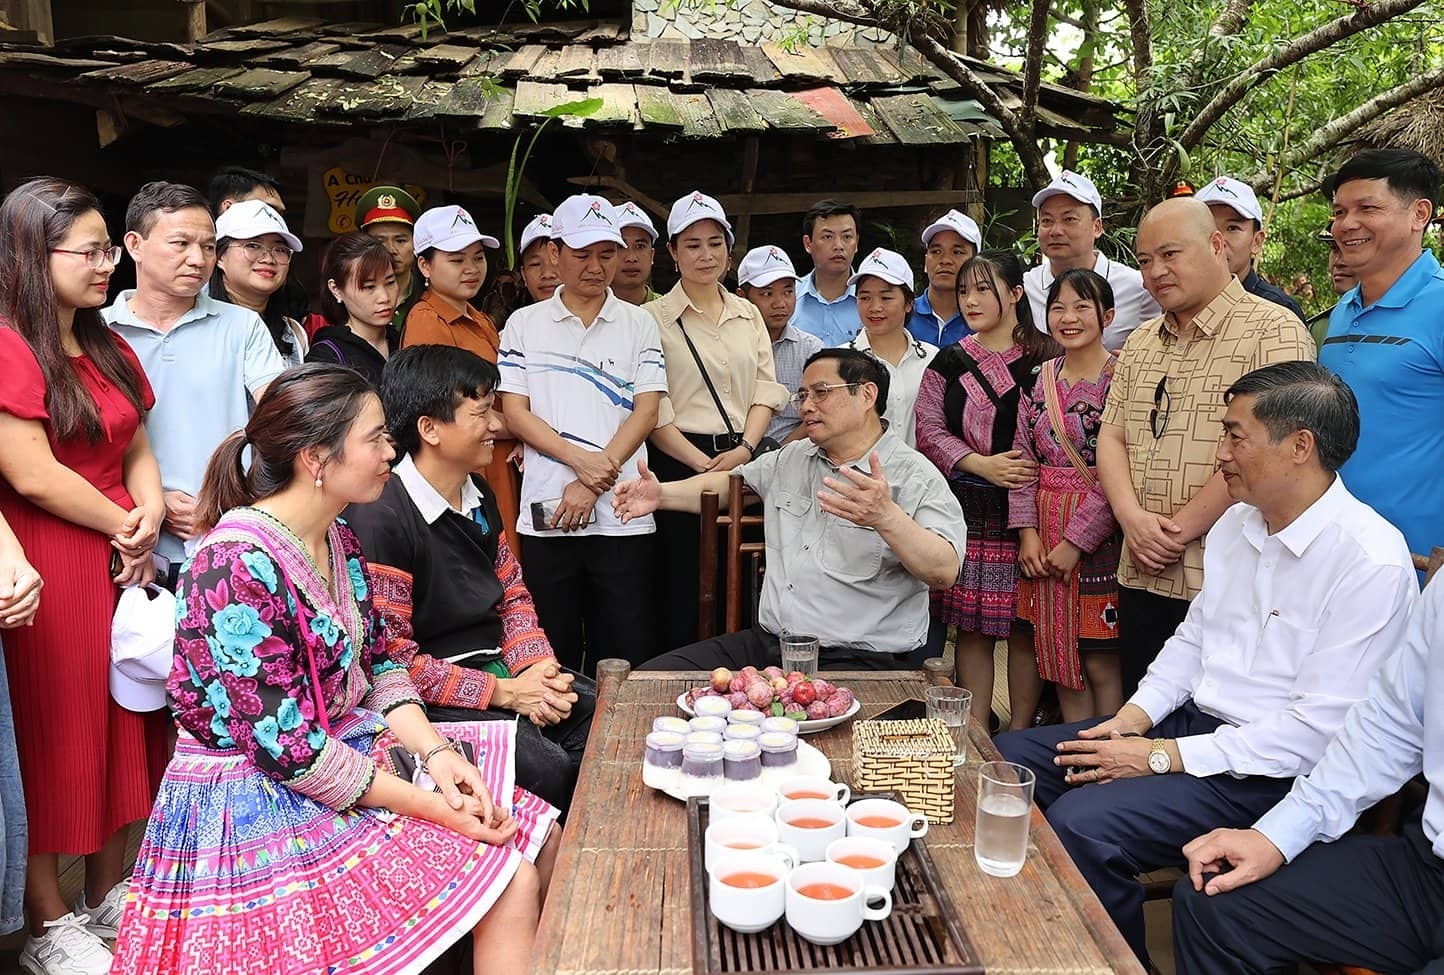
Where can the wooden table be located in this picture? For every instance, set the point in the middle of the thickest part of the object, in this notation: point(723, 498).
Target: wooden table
point(619, 897)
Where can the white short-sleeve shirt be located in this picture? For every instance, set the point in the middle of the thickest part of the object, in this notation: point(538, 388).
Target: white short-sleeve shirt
point(581, 381)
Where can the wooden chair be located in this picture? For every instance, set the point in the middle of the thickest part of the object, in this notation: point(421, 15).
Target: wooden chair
point(743, 559)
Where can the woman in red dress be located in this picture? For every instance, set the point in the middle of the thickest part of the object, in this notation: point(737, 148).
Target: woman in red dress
point(81, 489)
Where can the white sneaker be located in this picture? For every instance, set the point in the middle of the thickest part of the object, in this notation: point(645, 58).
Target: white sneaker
point(104, 920)
point(67, 948)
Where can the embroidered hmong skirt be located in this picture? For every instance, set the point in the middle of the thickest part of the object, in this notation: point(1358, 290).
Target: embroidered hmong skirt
point(1081, 613)
point(242, 875)
point(985, 596)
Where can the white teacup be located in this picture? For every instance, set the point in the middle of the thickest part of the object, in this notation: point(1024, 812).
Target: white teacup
point(827, 902)
point(748, 892)
point(742, 799)
point(736, 836)
point(884, 819)
point(808, 825)
point(874, 860)
point(813, 787)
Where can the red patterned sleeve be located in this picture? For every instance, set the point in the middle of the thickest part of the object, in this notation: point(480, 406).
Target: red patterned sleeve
point(523, 642)
point(439, 683)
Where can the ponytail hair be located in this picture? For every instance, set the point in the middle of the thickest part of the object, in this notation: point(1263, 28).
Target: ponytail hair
point(313, 405)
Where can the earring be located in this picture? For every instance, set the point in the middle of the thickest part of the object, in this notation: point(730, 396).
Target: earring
point(318, 480)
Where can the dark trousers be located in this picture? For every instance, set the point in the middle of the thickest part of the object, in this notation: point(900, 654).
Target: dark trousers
point(1371, 901)
point(758, 648)
point(1116, 830)
point(593, 596)
point(547, 759)
point(1145, 622)
point(679, 554)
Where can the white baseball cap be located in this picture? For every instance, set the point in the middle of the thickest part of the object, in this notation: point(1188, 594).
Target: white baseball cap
point(540, 228)
point(697, 206)
point(891, 266)
point(250, 219)
point(631, 215)
point(960, 223)
point(1234, 194)
point(764, 265)
point(142, 645)
point(1069, 183)
point(448, 228)
point(583, 220)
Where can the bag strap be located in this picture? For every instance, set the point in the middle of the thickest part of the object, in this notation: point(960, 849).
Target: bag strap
point(717, 400)
point(340, 358)
point(1055, 415)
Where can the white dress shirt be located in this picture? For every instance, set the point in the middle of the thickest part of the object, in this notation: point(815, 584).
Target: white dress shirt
point(1385, 741)
point(1132, 304)
point(904, 381)
point(1285, 636)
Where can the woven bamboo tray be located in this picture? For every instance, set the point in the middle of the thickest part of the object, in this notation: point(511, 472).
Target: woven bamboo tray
point(921, 936)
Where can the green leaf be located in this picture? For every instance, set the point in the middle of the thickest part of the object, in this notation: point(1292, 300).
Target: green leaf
point(578, 109)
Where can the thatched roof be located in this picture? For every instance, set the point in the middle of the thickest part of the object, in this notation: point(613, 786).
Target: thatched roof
point(1418, 124)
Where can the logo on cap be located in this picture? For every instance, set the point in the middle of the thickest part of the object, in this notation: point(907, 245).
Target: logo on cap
point(386, 201)
point(1221, 184)
point(544, 220)
point(629, 208)
point(698, 200)
point(876, 257)
point(462, 217)
point(774, 255)
point(594, 212)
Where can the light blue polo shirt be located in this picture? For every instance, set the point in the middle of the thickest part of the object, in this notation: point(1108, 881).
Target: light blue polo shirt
point(1392, 356)
point(924, 326)
point(835, 322)
point(206, 372)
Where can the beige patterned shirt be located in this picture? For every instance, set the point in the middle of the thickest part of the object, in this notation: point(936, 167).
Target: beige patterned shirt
point(1233, 335)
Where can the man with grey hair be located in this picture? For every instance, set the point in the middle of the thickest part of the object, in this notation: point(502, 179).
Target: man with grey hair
point(1307, 593)
point(1160, 425)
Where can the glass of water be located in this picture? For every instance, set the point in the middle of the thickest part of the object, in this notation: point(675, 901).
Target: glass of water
point(799, 653)
point(1005, 802)
point(951, 705)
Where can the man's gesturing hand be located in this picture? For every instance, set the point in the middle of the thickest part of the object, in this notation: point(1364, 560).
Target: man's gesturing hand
point(637, 498)
point(863, 499)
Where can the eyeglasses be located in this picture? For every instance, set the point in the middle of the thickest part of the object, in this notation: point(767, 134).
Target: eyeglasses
point(96, 257)
point(1158, 418)
point(254, 251)
point(818, 394)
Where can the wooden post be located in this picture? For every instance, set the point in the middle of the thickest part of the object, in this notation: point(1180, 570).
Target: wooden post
point(749, 185)
point(611, 675)
point(937, 670)
point(30, 15)
point(194, 19)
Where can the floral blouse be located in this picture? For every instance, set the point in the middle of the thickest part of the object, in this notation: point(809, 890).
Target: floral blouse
point(251, 605)
point(1081, 404)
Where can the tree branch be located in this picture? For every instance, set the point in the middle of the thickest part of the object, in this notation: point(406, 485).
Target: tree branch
point(1326, 35)
point(1140, 30)
point(1033, 65)
point(1330, 135)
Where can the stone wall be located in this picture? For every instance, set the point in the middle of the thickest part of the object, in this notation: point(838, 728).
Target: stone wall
point(747, 22)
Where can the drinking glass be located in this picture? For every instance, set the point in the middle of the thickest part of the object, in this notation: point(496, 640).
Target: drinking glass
point(799, 653)
point(951, 706)
point(1005, 801)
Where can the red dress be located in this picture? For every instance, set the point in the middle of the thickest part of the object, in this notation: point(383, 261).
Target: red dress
point(88, 764)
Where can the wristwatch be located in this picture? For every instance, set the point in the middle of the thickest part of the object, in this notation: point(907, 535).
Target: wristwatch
point(742, 442)
point(1158, 759)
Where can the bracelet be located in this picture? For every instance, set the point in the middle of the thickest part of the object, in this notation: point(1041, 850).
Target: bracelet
point(446, 745)
point(742, 442)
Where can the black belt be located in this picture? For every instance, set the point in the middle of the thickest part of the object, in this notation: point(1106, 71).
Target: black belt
point(713, 443)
